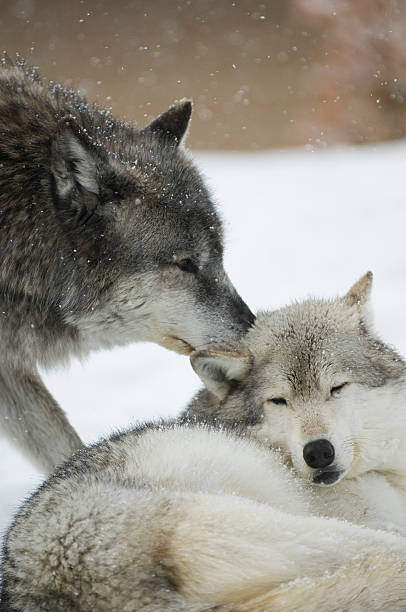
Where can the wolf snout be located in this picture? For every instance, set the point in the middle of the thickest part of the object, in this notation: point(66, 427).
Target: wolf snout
point(318, 453)
point(243, 317)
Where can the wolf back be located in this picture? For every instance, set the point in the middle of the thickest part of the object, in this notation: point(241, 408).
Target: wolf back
point(170, 517)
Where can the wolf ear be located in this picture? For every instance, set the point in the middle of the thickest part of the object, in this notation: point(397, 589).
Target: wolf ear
point(218, 369)
point(74, 170)
point(360, 292)
point(357, 299)
point(172, 124)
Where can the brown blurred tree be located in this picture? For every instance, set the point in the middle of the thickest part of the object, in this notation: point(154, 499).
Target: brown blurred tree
point(262, 73)
point(358, 82)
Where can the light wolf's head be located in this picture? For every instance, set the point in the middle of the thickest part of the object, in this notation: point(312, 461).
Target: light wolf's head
point(146, 236)
point(314, 380)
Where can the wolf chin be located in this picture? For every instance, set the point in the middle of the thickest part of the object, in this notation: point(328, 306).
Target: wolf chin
point(108, 236)
point(187, 518)
point(314, 380)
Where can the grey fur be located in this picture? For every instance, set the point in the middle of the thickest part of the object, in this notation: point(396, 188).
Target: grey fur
point(186, 518)
point(301, 351)
point(95, 218)
point(317, 371)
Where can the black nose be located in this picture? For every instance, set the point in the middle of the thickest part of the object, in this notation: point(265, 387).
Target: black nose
point(243, 317)
point(319, 453)
point(247, 317)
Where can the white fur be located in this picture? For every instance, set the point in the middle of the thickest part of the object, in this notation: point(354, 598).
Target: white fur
point(222, 517)
point(299, 353)
point(247, 524)
point(368, 430)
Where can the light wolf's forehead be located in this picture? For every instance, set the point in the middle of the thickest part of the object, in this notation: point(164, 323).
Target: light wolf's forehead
point(297, 370)
point(306, 328)
point(315, 343)
point(304, 338)
point(302, 348)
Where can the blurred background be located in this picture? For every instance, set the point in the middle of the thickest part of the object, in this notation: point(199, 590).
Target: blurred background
point(264, 74)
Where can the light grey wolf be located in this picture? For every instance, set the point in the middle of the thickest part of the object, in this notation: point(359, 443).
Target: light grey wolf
point(108, 236)
point(179, 517)
point(314, 380)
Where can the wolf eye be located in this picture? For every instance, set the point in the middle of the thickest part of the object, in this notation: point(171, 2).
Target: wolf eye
point(334, 391)
point(187, 265)
point(279, 401)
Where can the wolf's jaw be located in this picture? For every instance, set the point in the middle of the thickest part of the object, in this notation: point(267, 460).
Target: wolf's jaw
point(328, 478)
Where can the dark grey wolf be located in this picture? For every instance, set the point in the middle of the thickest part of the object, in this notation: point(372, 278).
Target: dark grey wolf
point(173, 518)
point(107, 236)
point(314, 380)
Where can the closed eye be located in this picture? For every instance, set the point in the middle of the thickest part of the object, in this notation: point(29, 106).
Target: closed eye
point(335, 391)
point(279, 401)
point(187, 265)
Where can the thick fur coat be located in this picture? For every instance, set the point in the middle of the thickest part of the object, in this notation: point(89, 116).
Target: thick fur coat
point(314, 379)
point(107, 236)
point(187, 518)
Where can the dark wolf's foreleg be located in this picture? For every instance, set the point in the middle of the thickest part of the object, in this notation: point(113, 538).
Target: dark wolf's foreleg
point(33, 420)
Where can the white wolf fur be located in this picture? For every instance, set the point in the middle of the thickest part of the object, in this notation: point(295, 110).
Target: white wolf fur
point(188, 518)
point(287, 378)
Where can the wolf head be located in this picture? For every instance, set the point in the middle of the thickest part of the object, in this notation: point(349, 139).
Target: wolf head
point(314, 380)
point(147, 237)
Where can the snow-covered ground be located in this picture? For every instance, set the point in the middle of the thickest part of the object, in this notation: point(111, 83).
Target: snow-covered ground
point(297, 224)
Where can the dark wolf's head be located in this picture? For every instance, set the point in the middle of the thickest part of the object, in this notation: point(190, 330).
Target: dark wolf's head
point(110, 225)
point(148, 222)
point(314, 380)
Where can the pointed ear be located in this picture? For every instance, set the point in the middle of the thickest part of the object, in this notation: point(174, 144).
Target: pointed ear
point(74, 170)
point(172, 124)
point(360, 292)
point(218, 369)
point(357, 299)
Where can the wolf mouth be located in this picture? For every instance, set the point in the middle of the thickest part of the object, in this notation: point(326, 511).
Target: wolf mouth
point(185, 346)
point(177, 344)
point(327, 478)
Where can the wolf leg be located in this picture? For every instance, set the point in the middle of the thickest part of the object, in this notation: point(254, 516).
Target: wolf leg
point(33, 420)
